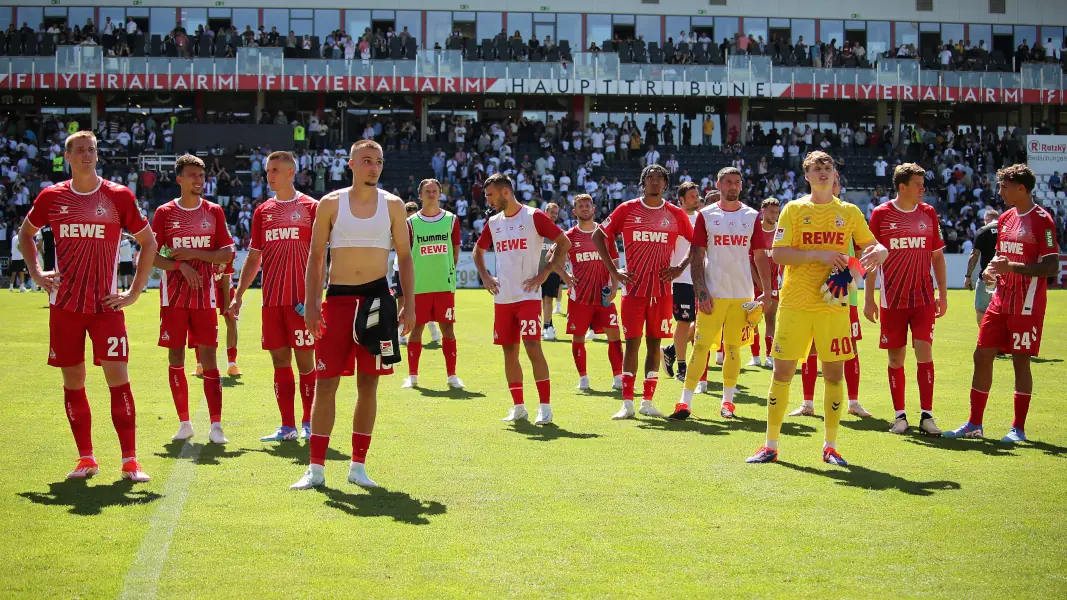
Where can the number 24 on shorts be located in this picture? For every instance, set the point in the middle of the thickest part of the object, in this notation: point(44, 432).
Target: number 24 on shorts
point(841, 346)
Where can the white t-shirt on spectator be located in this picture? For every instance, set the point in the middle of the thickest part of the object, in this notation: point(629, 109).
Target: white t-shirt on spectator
point(880, 167)
point(461, 134)
point(597, 158)
point(337, 170)
point(597, 139)
point(461, 207)
point(564, 183)
point(778, 151)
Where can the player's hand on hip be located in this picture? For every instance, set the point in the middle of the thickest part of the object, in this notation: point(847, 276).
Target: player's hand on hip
point(191, 275)
point(670, 273)
point(313, 319)
point(942, 306)
point(121, 300)
point(48, 280)
point(705, 302)
point(834, 260)
point(870, 310)
point(534, 283)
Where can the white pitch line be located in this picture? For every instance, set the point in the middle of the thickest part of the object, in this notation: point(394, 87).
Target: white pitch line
point(142, 579)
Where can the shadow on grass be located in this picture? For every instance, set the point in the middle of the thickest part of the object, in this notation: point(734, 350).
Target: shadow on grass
point(549, 432)
point(453, 393)
point(87, 501)
point(869, 479)
point(609, 393)
point(201, 454)
point(724, 427)
point(296, 453)
point(868, 424)
point(380, 502)
point(1039, 360)
point(228, 382)
point(989, 447)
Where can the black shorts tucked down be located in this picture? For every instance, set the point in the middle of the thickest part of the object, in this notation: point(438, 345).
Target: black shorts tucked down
point(126, 269)
point(398, 290)
point(684, 303)
point(550, 288)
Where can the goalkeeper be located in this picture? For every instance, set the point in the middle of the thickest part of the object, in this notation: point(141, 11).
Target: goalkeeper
point(814, 233)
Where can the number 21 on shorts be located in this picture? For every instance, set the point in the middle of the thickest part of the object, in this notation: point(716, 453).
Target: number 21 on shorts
point(841, 346)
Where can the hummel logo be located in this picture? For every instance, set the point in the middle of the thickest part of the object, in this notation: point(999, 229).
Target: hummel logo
point(772, 401)
point(64, 210)
point(836, 405)
point(270, 218)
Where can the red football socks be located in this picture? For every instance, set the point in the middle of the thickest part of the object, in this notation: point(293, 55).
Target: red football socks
point(231, 354)
point(852, 377)
point(448, 348)
point(808, 374)
point(544, 391)
point(578, 352)
point(1022, 406)
point(516, 392)
point(628, 386)
point(925, 375)
point(213, 393)
point(768, 340)
point(755, 346)
point(307, 394)
point(650, 387)
point(179, 391)
point(978, 401)
point(285, 393)
point(319, 444)
point(124, 417)
point(615, 357)
point(896, 387)
point(81, 420)
point(360, 445)
point(414, 353)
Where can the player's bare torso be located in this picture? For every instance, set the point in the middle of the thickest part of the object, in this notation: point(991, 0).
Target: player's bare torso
point(356, 266)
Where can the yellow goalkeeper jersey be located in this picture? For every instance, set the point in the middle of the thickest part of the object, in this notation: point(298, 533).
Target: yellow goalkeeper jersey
point(805, 225)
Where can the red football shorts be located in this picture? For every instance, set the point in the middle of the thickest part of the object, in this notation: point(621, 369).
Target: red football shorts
point(200, 326)
point(435, 307)
point(854, 317)
point(897, 321)
point(580, 317)
point(515, 321)
point(647, 316)
point(224, 299)
point(284, 328)
point(1015, 334)
point(66, 337)
point(337, 354)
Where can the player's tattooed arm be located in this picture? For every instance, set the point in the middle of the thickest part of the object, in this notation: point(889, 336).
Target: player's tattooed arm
point(700, 284)
point(561, 269)
point(972, 262)
point(562, 247)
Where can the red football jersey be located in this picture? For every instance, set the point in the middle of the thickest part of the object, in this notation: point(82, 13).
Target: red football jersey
point(87, 229)
point(648, 238)
point(1024, 239)
point(201, 228)
point(763, 241)
point(587, 267)
point(281, 231)
point(911, 237)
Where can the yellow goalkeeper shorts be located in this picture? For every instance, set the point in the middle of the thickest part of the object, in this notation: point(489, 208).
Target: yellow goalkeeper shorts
point(795, 330)
point(727, 319)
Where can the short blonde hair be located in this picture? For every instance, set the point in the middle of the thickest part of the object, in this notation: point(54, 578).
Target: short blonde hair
point(283, 156)
point(83, 134)
point(582, 197)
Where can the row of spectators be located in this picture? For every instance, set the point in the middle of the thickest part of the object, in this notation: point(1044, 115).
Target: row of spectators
point(565, 158)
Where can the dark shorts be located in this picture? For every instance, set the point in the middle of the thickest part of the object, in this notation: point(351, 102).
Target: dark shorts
point(550, 288)
point(17, 265)
point(125, 269)
point(684, 308)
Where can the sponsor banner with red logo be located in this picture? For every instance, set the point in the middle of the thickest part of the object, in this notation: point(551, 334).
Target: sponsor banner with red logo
point(1047, 154)
point(478, 85)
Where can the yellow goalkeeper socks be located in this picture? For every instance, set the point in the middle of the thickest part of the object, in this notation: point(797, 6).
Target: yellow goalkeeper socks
point(833, 402)
point(777, 405)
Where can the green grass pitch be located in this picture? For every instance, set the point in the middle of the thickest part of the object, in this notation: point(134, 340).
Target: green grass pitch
point(474, 507)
